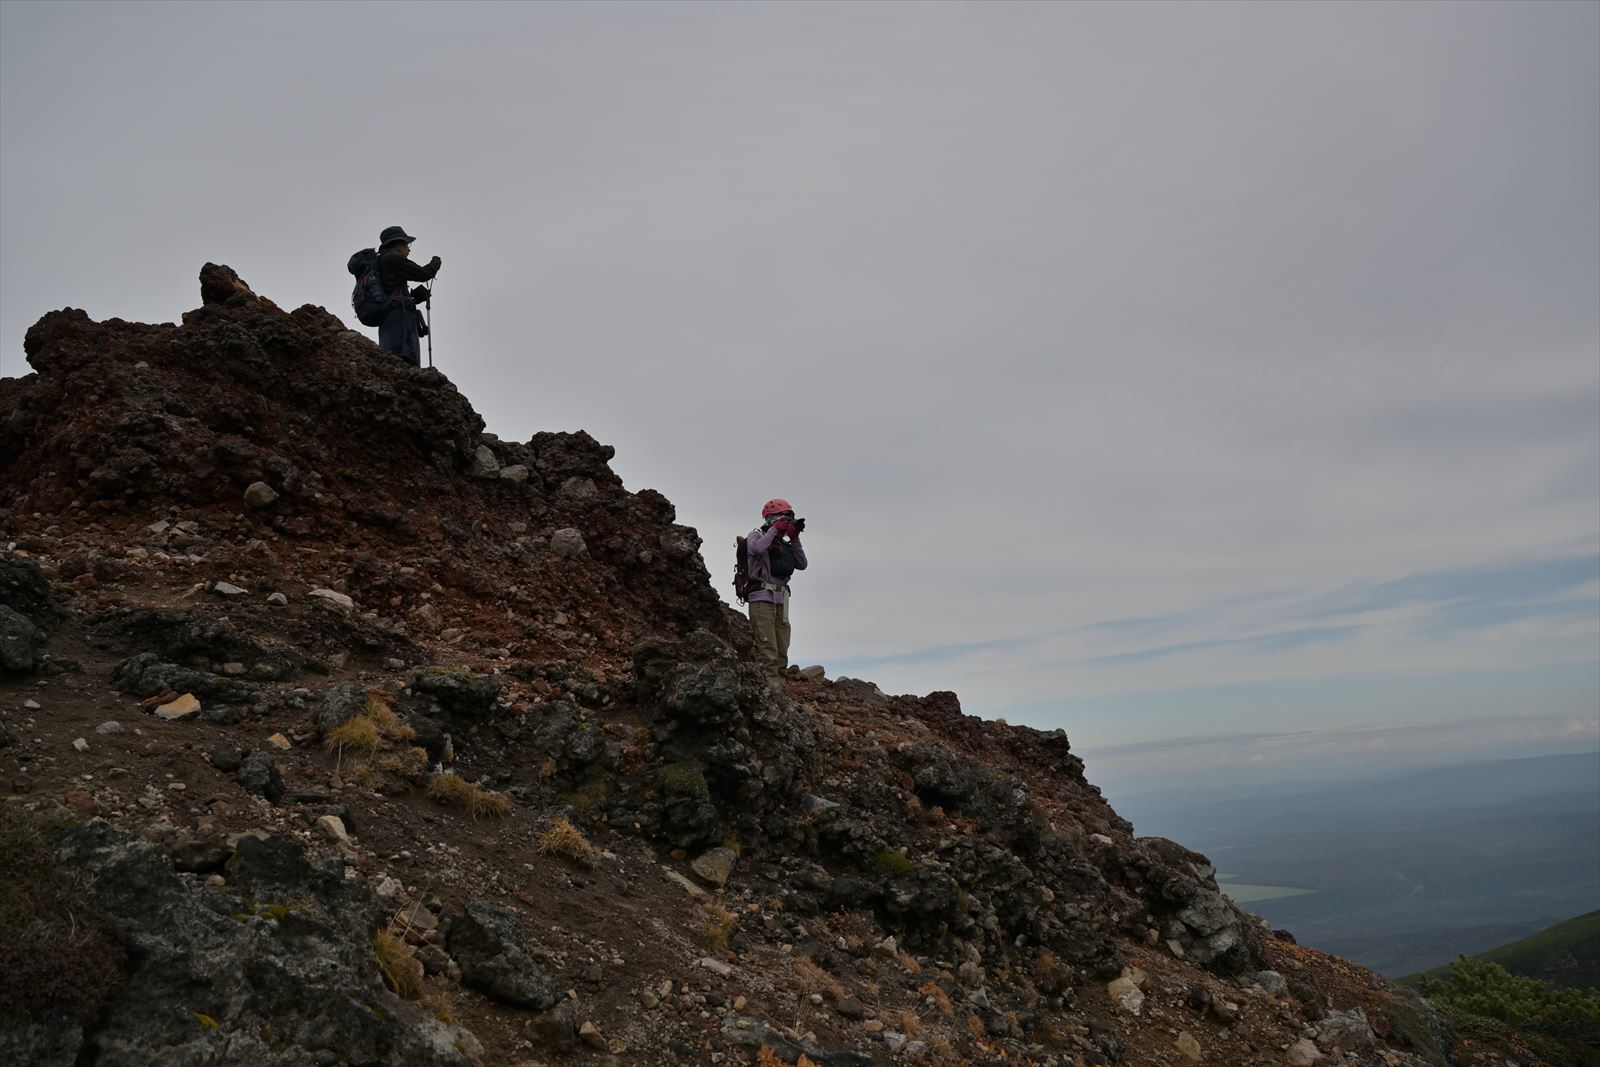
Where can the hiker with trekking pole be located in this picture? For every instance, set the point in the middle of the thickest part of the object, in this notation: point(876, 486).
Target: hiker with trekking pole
point(381, 298)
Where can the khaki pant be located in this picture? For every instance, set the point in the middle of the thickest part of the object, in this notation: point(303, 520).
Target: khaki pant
point(772, 639)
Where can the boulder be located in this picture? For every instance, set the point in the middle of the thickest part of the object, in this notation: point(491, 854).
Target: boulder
point(268, 978)
point(568, 544)
point(483, 463)
point(260, 495)
point(258, 774)
point(461, 693)
point(715, 865)
point(19, 642)
point(487, 942)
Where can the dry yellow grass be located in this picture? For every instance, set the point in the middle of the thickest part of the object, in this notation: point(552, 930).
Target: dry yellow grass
point(909, 1022)
point(400, 969)
point(454, 791)
point(566, 841)
point(717, 926)
point(941, 1000)
point(359, 734)
point(387, 722)
point(814, 979)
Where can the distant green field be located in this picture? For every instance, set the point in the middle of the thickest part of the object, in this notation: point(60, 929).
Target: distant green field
point(1252, 894)
point(1567, 954)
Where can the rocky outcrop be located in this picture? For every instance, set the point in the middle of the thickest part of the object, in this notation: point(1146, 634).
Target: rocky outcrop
point(486, 680)
point(275, 967)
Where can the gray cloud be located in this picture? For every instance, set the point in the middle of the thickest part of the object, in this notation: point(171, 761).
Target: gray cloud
point(1044, 314)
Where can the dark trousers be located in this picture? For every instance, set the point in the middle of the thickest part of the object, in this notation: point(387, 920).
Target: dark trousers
point(399, 333)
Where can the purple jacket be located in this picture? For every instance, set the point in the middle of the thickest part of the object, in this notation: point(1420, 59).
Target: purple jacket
point(758, 544)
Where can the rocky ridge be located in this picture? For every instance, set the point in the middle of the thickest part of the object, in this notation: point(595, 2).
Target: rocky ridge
point(358, 735)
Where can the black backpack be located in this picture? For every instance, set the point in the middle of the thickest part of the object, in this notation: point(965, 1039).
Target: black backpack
point(369, 299)
point(782, 562)
point(741, 569)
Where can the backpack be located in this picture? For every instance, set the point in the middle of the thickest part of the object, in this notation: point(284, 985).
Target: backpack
point(741, 569)
point(782, 562)
point(369, 299)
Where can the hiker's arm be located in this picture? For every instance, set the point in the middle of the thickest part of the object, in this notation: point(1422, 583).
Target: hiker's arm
point(411, 272)
point(760, 543)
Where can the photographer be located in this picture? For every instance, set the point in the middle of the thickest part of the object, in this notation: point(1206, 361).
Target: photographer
point(774, 555)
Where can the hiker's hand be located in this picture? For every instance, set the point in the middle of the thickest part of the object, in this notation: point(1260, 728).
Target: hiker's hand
point(435, 263)
point(421, 294)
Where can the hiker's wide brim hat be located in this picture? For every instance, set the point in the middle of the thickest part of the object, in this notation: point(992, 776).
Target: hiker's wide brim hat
point(394, 235)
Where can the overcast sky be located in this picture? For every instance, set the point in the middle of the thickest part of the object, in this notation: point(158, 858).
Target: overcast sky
point(1219, 382)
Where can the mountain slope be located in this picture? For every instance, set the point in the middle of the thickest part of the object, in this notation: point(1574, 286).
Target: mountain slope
point(352, 733)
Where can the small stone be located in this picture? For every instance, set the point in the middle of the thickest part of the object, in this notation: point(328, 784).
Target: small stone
point(393, 664)
point(1303, 1053)
point(1188, 1047)
point(180, 708)
point(814, 673)
point(1270, 982)
point(110, 726)
point(649, 1001)
point(568, 543)
point(279, 742)
point(80, 803)
point(228, 589)
point(158, 527)
point(516, 472)
point(715, 865)
point(388, 888)
point(739, 1003)
point(260, 495)
point(894, 1039)
point(330, 596)
point(872, 1026)
point(1100, 839)
point(716, 966)
point(590, 1035)
point(332, 827)
point(277, 600)
point(1125, 994)
point(81, 744)
point(235, 669)
point(31, 705)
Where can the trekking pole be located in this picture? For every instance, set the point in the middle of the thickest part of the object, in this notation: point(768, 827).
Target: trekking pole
point(430, 325)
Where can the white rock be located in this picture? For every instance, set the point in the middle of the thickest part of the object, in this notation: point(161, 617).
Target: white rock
point(716, 966)
point(388, 888)
point(568, 542)
point(1125, 994)
point(332, 827)
point(277, 600)
point(180, 708)
point(226, 589)
point(279, 742)
point(81, 744)
point(1303, 1053)
point(31, 705)
point(331, 597)
point(110, 726)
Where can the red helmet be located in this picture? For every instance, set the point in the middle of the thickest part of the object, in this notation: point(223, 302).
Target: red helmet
point(775, 506)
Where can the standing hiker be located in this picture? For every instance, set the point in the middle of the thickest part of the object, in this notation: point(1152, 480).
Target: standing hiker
point(402, 328)
point(774, 553)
